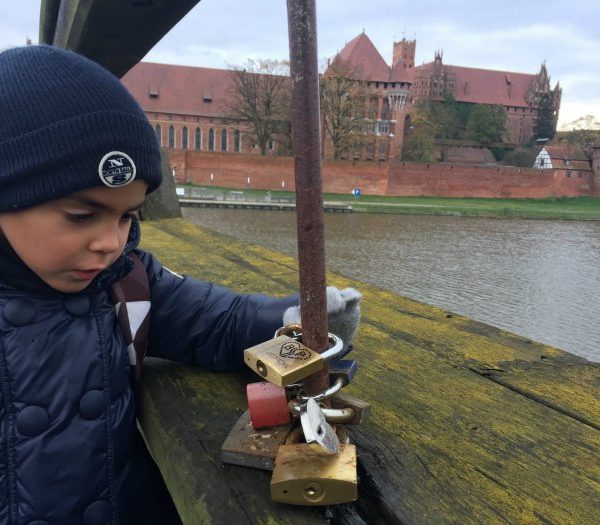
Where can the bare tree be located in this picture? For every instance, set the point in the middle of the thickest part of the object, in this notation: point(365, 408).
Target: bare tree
point(260, 94)
point(344, 96)
point(584, 131)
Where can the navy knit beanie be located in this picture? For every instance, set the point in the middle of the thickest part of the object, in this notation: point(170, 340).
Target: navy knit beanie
point(67, 124)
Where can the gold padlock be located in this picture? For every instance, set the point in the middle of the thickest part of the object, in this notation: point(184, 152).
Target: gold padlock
point(283, 360)
point(303, 476)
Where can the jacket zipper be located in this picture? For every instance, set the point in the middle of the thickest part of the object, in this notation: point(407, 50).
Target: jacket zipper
point(107, 408)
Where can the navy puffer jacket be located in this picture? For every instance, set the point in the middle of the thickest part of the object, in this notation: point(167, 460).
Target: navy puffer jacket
point(67, 412)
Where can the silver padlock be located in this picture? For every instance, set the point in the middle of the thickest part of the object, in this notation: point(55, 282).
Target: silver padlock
point(317, 432)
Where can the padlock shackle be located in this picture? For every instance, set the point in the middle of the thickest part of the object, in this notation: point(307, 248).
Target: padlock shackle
point(332, 415)
point(326, 394)
point(335, 350)
point(295, 330)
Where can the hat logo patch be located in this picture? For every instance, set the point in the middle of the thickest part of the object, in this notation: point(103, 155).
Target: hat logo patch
point(116, 169)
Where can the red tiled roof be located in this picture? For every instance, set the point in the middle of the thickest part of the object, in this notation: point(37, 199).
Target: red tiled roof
point(486, 86)
point(361, 52)
point(181, 89)
point(400, 73)
point(560, 154)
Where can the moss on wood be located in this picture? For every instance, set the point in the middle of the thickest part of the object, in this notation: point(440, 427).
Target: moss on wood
point(470, 424)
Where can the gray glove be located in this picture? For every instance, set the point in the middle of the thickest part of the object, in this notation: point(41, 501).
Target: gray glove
point(343, 313)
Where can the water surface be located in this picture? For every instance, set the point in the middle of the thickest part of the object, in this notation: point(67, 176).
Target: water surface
point(539, 279)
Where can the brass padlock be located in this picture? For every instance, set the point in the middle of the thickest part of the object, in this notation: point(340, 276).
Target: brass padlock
point(303, 476)
point(284, 360)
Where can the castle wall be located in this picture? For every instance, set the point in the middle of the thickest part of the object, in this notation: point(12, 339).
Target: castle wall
point(596, 171)
point(274, 173)
point(520, 124)
point(457, 180)
point(396, 178)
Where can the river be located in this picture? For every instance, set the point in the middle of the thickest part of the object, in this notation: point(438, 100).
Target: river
point(536, 278)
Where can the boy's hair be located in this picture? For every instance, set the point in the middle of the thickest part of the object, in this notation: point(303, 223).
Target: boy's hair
point(67, 124)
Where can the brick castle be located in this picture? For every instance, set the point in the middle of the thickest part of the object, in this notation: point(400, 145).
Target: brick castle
point(187, 105)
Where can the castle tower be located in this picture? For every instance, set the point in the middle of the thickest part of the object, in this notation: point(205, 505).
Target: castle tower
point(404, 53)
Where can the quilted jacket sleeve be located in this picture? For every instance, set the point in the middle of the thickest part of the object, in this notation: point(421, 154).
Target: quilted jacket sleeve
point(200, 323)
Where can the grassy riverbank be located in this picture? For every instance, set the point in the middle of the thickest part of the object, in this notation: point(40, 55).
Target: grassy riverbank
point(578, 208)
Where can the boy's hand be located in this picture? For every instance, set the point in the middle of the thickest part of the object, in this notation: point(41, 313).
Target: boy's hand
point(343, 313)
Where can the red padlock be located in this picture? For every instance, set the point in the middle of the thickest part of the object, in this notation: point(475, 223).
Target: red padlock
point(268, 405)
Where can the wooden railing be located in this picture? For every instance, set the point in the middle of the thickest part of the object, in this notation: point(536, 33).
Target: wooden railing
point(470, 424)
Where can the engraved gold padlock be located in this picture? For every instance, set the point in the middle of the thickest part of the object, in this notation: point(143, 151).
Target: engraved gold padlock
point(303, 476)
point(284, 360)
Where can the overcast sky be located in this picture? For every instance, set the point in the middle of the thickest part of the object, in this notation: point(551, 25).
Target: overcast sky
point(504, 34)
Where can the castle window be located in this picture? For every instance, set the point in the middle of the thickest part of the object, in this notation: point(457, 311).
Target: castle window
point(198, 140)
point(370, 151)
point(171, 137)
point(385, 109)
point(158, 134)
point(237, 141)
point(224, 140)
point(373, 107)
point(184, 138)
point(211, 139)
point(568, 162)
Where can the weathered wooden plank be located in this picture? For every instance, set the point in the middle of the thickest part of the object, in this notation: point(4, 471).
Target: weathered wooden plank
point(545, 373)
point(470, 424)
point(186, 415)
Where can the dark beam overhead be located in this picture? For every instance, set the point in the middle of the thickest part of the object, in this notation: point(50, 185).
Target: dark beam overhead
point(115, 33)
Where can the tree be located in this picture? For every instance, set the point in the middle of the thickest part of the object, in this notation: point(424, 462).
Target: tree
point(522, 157)
point(544, 126)
point(445, 122)
point(419, 146)
point(432, 120)
point(486, 124)
point(583, 132)
point(260, 94)
point(343, 104)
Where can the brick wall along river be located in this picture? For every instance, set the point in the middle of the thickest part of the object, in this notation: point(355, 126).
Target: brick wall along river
point(539, 279)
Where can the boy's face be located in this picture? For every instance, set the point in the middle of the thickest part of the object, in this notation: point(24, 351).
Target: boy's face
point(68, 241)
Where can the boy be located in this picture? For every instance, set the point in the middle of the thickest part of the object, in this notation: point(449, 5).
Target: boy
point(77, 157)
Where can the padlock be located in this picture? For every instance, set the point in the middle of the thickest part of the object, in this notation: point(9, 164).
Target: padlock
point(343, 401)
point(253, 448)
point(303, 476)
point(284, 360)
point(268, 405)
point(317, 432)
point(345, 409)
point(344, 368)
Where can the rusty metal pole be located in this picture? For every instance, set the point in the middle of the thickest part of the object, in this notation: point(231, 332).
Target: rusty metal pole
point(306, 135)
